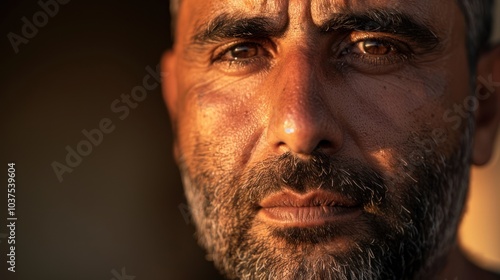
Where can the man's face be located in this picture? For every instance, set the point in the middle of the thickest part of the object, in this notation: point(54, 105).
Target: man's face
point(314, 138)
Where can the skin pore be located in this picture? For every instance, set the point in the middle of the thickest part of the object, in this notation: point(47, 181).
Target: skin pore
point(345, 97)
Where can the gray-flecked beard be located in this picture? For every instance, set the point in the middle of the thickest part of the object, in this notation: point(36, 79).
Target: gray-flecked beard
point(407, 228)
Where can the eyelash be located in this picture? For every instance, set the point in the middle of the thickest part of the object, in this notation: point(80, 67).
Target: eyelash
point(218, 58)
point(400, 53)
point(343, 56)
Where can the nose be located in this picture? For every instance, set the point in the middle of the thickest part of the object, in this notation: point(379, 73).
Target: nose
point(302, 118)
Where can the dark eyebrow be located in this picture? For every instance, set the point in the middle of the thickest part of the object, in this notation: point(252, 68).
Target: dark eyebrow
point(226, 26)
point(385, 21)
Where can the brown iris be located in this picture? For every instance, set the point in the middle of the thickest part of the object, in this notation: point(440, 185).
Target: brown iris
point(375, 47)
point(243, 51)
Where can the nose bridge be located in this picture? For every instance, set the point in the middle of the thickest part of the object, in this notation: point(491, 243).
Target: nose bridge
point(300, 117)
point(298, 86)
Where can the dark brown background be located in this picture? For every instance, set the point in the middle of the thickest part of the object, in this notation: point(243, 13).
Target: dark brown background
point(120, 207)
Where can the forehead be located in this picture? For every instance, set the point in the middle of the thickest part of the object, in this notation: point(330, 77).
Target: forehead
point(439, 14)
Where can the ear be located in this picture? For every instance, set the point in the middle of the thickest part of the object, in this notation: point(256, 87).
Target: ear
point(488, 112)
point(169, 86)
point(170, 94)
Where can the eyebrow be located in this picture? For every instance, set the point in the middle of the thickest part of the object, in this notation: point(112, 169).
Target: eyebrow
point(384, 21)
point(226, 26)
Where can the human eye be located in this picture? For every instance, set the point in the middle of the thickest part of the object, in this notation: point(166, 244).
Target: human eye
point(242, 57)
point(375, 55)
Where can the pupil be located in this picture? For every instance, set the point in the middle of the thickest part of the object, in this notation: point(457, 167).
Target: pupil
point(241, 52)
point(376, 48)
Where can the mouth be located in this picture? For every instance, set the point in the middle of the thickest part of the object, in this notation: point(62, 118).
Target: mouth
point(316, 208)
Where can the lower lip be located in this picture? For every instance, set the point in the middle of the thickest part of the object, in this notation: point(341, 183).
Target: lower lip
point(308, 216)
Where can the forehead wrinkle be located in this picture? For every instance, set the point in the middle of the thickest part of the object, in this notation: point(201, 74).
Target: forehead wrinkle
point(276, 9)
point(250, 7)
point(322, 10)
point(265, 6)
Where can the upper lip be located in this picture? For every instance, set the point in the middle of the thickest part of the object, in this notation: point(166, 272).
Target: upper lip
point(315, 198)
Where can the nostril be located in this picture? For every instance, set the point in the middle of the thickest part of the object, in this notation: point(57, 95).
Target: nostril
point(324, 144)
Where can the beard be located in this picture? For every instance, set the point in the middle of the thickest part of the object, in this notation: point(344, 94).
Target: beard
point(406, 229)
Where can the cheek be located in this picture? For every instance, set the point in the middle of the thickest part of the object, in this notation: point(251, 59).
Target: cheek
point(380, 110)
point(221, 124)
point(385, 113)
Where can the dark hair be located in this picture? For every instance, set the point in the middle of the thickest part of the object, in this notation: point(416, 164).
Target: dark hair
point(477, 13)
point(478, 18)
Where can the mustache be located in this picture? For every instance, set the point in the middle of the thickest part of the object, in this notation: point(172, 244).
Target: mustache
point(348, 177)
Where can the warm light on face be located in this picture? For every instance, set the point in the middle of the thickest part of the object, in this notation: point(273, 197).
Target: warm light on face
point(329, 110)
